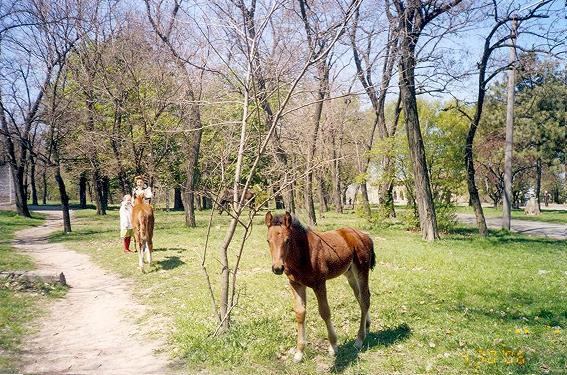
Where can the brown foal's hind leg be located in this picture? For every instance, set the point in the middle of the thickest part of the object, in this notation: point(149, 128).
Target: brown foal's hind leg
point(358, 281)
point(299, 299)
point(325, 312)
point(150, 249)
point(353, 282)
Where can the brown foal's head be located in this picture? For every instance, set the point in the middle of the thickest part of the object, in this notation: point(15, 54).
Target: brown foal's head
point(140, 198)
point(279, 231)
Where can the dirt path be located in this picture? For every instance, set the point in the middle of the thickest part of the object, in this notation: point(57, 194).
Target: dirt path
point(92, 329)
point(533, 228)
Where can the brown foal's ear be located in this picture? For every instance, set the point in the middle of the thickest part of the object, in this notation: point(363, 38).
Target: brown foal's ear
point(268, 219)
point(287, 220)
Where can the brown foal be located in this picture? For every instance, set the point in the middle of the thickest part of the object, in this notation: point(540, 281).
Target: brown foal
point(143, 225)
point(310, 258)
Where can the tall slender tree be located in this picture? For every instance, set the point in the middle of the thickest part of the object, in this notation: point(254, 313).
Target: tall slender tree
point(412, 18)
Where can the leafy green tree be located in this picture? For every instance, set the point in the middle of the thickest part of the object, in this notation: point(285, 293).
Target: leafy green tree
point(539, 134)
point(444, 131)
point(541, 104)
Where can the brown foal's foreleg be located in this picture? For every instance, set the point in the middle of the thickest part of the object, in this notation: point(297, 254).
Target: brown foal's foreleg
point(325, 312)
point(358, 281)
point(299, 299)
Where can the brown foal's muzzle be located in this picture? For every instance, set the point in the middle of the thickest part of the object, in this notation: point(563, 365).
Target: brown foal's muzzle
point(278, 270)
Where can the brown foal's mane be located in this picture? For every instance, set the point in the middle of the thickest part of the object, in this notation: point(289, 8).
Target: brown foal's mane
point(139, 199)
point(295, 223)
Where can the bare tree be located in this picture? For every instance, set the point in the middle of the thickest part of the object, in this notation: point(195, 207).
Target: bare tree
point(262, 96)
point(412, 18)
point(164, 28)
point(493, 41)
point(365, 60)
point(33, 47)
point(318, 35)
point(241, 50)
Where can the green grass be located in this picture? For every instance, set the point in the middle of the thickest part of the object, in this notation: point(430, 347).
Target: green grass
point(461, 305)
point(548, 216)
point(10, 223)
point(17, 309)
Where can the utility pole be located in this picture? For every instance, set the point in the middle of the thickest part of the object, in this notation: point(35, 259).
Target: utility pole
point(507, 207)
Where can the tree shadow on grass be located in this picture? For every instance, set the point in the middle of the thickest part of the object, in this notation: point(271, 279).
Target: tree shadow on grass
point(499, 237)
point(176, 249)
point(169, 263)
point(516, 307)
point(82, 233)
point(347, 352)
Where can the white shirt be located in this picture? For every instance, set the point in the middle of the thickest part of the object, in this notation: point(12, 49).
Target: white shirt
point(146, 191)
point(126, 215)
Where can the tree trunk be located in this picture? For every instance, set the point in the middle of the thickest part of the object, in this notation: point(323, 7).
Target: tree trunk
point(287, 193)
point(44, 183)
point(387, 199)
point(508, 146)
point(189, 197)
point(199, 203)
point(365, 201)
point(336, 181)
point(64, 199)
point(98, 192)
point(207, 203)
point(105, 193)
point(32, 180)
point(424, 198)
point(538, 183)
point(20, 191)
point(471, 183)
point(83, 191)
point(323, 207)
point(308, 198)
point(323, 77)
point(193, 150)
point(177, 201)
point(189, 204)
point(386, 187)
point(17, 165)
point(225, 275)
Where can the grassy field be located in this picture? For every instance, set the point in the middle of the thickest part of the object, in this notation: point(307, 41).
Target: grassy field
point(548, 216)
point(17, 309)
point(461, 305)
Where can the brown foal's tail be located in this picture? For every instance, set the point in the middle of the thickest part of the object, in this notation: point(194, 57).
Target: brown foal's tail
point(372, 255)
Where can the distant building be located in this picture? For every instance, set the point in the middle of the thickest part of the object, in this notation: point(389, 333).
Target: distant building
point(7, 194)
point(399, 194)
